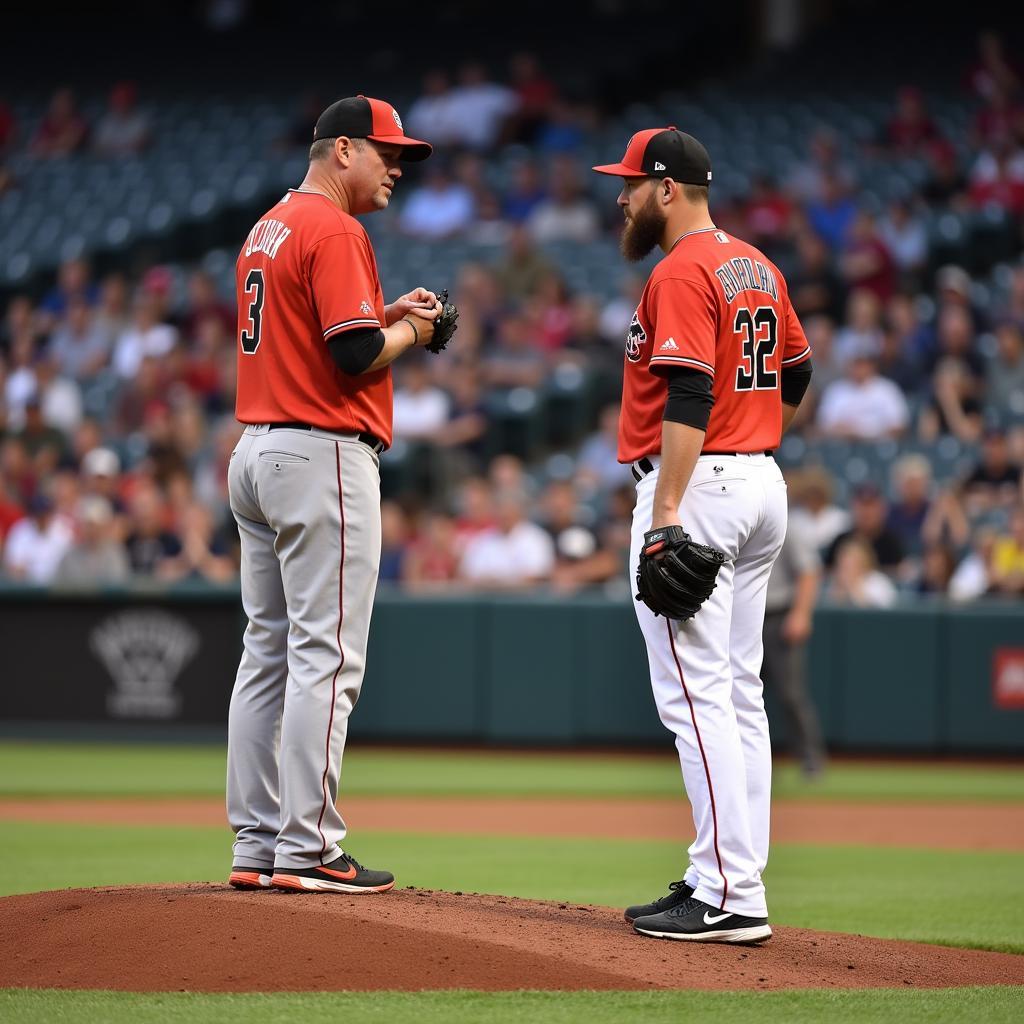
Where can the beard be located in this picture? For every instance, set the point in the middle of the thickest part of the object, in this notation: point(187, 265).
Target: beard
point(643, 231)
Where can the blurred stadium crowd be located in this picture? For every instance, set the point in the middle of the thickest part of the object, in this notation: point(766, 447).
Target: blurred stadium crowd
point(116, 389)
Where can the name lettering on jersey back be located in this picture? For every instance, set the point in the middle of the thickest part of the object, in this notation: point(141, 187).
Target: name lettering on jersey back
point(267, 236)
point(742, 274)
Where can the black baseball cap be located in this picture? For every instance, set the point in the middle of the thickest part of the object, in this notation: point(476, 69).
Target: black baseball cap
point(362, 117)
point(663, 153)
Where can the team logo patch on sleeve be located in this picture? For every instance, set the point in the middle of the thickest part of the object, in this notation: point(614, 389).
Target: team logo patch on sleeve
point(635, 339)
point(365, 307)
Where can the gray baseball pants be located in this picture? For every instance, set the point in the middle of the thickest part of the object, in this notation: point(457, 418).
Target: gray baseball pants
point(307, 505)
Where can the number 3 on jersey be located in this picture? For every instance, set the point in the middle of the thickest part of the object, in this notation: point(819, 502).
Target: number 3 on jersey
point(760, 336)
point(250, 338)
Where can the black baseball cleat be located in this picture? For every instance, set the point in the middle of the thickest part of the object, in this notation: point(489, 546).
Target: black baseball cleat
point(679, 892)
point(694, 921)
point(345, 874)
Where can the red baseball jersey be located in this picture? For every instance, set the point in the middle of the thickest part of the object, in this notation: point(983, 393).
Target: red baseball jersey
point(718, 305)
point(305, 275)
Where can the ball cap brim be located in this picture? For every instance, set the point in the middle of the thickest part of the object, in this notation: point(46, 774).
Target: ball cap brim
point(363, 117)
point(663, 153)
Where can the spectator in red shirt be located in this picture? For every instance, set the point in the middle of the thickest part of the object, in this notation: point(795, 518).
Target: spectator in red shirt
point(911, 129)
point(865, 262)
point(63, 129)
point(767, 213)
point(535, 92)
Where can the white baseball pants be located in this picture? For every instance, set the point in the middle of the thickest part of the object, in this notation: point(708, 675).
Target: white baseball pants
point(705, 673)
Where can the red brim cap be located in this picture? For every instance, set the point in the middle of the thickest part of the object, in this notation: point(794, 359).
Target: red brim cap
point(632, 163)
point(385, 121)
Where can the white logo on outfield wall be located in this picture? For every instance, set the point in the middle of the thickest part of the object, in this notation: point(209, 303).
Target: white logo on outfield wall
point(144, 652)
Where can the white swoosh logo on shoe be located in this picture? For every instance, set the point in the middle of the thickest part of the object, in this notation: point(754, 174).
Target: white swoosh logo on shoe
point(708, 919)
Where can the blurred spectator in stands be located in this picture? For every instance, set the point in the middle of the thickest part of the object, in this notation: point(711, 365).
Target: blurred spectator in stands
point(862, 405)
point(8, 128)
point(767, 212)
point(525, 191)
point(953, 290)
point(96, 558)
point(514, 554)
point(996, 122)
point(938, 563)
point(17, 469)
point(907, 336)
point(79, 345)
point(617, 314)
point(814, 285)
point(1007, 565)
point(489, 227)
point(438, 208)
point(204, 362)
point(19, 321)
point(811, 506)
point(1004, 385)
point(513, 360)
point(856, 581)
point(421, 408)
point(10, 507)
point(74, 281)
point(832, 215)
point(567, 214)
point(474, 510)
point(598, 465)
point(997, 177)
point(60, 397)
point(971, 578)
point(954, 408)
point(809, 181)
point(946, 184)
point(101, 473)
point(993, 71)
point(20, 384)
point(432, 114)
point(507, 475)
point(911, 477)
point(956, 342)
point(520, 274)
point(205, 552)
point(535, 93)
point(896, 360)
point(211, 473)
point(466, 428)
point(1012, 306)
point(432, 558)
point(563, 131)
point(870, 525)
point(479, 108)
point(789, 614)
point(63, 129)
point(138, 396)
point(394, 536)
point(904, 235)
point(204, 302)
point(112, 313)
point(36, 544)
point(910, 130)
point(149, 542)
point(147, 336)
point(551, 315)
point(865, 262)
point(124, 129)
point(566, 523)
point(46, 445)
point(995, 480)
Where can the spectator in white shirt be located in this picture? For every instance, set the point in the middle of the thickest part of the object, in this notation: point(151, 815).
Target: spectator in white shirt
point(421, 408)
point(36, 544)
point(863, 327)
point(123, 130)
point(60, 398)
point(80, 346)
point(512, 555)
point(438, 208)
point(856, 580)
point(567, 214)
point(432, 115)
point(479, 108)
point(146, 336)
point(863, 405)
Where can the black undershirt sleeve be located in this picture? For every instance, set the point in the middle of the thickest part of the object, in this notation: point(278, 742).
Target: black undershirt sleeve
point(794, 382)
point(689, 397)
point(354, 351)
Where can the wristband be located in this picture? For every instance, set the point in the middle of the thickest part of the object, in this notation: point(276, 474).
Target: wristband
point(415, 333)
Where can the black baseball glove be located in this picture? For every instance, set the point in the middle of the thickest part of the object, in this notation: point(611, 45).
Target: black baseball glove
point(676, 576)
point(445, 325)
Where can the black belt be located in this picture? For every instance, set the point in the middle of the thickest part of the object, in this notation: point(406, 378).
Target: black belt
point(370, 440)
point(643, 466)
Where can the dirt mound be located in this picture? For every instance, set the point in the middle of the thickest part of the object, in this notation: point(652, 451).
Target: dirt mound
point(208, 938)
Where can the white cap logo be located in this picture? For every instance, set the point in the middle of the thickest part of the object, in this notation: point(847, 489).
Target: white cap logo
point(398, 120)
point(658, 166)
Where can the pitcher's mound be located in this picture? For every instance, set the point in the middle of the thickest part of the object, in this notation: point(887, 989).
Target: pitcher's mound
point(209, 938)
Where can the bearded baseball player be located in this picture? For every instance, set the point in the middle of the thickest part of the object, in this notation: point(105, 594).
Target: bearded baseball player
point(316, 343)
point(716, 365)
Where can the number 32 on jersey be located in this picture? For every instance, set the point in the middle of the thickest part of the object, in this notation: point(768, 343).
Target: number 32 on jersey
point(758, 331)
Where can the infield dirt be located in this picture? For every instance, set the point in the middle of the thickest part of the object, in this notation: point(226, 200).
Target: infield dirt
point(205, 937)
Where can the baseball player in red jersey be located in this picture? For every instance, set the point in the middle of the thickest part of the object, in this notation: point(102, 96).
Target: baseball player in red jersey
point(315, 344)
point(716, 365)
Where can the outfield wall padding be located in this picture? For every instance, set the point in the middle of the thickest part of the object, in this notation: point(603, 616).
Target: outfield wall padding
point(526, 669)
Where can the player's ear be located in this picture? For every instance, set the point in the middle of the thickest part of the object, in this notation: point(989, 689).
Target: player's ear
point(667, 190)
point(343, 150)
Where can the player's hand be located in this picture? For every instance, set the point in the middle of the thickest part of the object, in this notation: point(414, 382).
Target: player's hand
point(418, 299)
point(657, 522)
point(422, 318)
point(796, 628)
